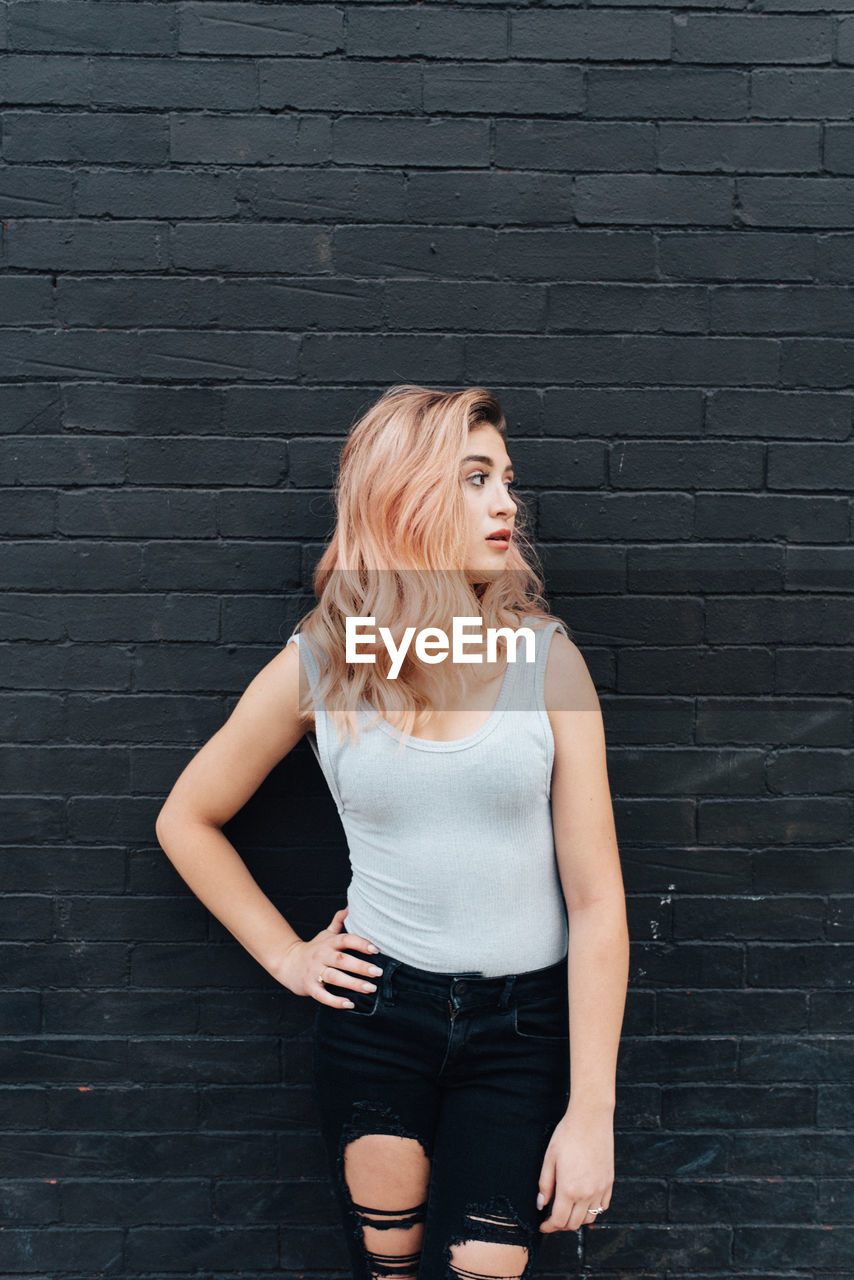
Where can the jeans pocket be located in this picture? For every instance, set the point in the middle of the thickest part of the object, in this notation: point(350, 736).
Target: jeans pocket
point(543, 1017)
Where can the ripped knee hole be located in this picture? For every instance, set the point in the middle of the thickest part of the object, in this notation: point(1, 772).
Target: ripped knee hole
point(496, 1249)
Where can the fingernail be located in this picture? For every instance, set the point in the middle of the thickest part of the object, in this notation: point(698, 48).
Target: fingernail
point(373, 948)
point(541, 1200)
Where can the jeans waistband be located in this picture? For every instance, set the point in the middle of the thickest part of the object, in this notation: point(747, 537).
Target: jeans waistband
point(468, 986)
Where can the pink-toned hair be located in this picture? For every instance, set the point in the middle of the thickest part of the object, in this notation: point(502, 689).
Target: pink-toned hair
point(399, 548)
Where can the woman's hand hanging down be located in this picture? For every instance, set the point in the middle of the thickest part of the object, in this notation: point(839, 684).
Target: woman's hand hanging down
point(324, 953)
point(578, 1171)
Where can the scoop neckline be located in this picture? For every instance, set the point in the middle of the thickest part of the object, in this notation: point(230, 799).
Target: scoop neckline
point(455, 744)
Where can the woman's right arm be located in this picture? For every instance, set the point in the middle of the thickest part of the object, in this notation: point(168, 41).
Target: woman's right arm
point(223, 775)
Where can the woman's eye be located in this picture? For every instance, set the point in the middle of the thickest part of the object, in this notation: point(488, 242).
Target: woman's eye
point(482, 475)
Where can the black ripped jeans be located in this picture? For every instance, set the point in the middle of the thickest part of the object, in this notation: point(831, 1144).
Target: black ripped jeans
point(476, 1070)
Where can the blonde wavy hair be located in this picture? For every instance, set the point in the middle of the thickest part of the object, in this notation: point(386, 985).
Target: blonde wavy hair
point(398, 553)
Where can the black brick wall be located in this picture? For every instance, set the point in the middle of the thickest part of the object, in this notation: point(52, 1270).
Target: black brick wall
point(226, 227)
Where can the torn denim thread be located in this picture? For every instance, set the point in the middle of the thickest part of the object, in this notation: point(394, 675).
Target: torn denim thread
point(493, 1223)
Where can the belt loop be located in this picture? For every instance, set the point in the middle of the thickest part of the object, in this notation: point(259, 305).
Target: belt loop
point(387, 975)
point(507, 991)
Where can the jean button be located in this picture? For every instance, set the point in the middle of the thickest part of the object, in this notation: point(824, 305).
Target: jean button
point(462, 986)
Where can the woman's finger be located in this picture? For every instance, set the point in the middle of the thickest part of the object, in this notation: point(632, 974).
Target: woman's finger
point(360, 979)
point(322, 996)
point(547, 1182)
point(354, 940)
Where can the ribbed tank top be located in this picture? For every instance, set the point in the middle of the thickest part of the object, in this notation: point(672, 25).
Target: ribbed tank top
point(451, 844)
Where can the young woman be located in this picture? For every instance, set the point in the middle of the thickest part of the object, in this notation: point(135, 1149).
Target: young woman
point(470, 1004)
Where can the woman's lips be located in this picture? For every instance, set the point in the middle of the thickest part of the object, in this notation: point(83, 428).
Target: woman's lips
point(500, 544)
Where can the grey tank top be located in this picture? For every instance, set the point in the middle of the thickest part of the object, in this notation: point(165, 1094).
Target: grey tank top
point(451, 844)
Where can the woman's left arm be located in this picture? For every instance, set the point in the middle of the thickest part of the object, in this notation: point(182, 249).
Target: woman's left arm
point(578, 1168)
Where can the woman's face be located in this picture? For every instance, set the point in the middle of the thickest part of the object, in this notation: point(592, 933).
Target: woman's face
point(486, 474)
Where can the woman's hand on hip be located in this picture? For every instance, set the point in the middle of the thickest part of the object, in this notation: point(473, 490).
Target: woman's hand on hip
point(323, 955)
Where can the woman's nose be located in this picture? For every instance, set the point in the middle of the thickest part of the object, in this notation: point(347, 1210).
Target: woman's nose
point(503, 503)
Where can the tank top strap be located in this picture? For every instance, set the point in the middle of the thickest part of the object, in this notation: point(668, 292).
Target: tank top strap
point(323, 741)
point(530, 680)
